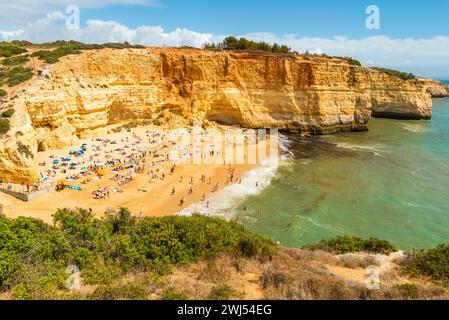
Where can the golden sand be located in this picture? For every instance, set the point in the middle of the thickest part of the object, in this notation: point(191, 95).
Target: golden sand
point(147, 194)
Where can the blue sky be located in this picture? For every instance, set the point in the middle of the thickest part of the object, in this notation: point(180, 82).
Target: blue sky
point(413, 35)
point(324, 18)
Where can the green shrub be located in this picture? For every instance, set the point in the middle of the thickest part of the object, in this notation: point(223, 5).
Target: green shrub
point(16, 75)
point(65, 48)
point(396, 73)
point(8, 113)
point(249, 247)
point(353, 61)
point(21, 292)
point(347, 244)
point(15, 61)
point(172, 294)
point(433, 263)
point(9, 49)
point(36, 255)
point(242, 44)
point(408, 291)
point(124, 292)
point(221, 292)
point(4, 125)
point(3, 93)
point(54, 55)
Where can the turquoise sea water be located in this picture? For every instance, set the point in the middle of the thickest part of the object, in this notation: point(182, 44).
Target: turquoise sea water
point(391, 183)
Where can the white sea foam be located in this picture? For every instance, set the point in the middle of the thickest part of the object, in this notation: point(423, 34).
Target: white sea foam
point(375, 149)
point(253, 183)
point(416, 128)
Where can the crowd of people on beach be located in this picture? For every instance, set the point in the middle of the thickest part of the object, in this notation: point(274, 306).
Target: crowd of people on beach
point(106, 166)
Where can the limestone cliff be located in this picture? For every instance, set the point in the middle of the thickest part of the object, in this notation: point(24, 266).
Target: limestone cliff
point(436, 89)
point(98, 88)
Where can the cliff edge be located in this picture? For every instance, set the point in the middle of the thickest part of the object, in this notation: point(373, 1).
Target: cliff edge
point(99, 88)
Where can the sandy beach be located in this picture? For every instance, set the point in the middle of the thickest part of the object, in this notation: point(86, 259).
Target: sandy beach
point(137, 171)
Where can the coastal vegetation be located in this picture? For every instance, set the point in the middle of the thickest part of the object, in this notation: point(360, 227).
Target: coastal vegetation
point(8, 113)
point(34, 256)
point(64, 48)
point(4, 125)
point(15, 61)
point(348, 244)
point(433, 263)
point(8, 49)
point(173, 258)
point(243, 44)
point(14, 76)
point(52, 56)
point(3, 92)
point(396, 73)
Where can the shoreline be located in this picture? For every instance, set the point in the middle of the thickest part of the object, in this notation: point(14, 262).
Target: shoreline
point(147, 194)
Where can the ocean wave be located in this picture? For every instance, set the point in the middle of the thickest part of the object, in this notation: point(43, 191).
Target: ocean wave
point(377, 150)
point(415, 128)
point(253, 183)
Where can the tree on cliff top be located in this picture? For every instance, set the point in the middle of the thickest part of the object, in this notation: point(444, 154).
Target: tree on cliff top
point(243, 44)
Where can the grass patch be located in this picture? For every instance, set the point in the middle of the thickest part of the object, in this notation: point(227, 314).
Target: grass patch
point(172, 294)
point(347, 244)
point(15, 61)
point(396, 73)
point(73, 47)
point(107, 249)
point(120, 292)
point(408, 291)
point(8, 49)
point(4, 125)
point(15, 75)
point(54, 55)
point(433, 263)
point(221, 292)
point(8, 113)
point(3, 93)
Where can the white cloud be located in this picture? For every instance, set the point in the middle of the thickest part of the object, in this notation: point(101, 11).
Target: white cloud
point(19, 12)
point(427, 56)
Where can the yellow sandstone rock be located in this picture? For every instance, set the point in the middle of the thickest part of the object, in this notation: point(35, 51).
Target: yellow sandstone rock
point(99, 88)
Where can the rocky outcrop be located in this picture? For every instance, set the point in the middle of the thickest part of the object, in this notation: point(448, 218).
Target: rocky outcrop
point(436, 89)
point(99, 88)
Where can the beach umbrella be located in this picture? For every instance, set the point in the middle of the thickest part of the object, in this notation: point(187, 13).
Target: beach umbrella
point(84, 168)
point(55, 161)
point(73, 164)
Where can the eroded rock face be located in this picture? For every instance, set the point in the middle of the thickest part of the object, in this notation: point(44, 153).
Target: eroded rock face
point(99, 88)
point(436, 89)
